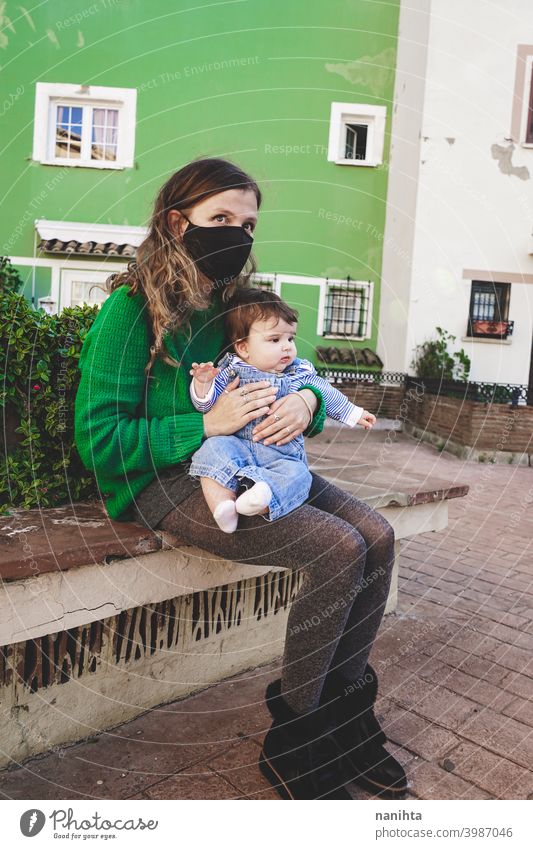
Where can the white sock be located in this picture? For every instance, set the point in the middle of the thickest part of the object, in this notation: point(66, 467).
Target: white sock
point(254, 500)
point(226, 516)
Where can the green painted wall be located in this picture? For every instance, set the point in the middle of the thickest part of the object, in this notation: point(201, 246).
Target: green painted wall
point(305, 299)
point(250, 80)
point(37, 280)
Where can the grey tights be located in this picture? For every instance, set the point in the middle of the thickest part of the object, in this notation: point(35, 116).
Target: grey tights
point(346, 551)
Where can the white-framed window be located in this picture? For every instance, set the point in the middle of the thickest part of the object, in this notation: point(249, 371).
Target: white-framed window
point(87, 126)
point(356, 134)
point(78, 287)
point(345, 311)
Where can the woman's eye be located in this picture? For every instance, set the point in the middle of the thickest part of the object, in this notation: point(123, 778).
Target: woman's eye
point(222, 218)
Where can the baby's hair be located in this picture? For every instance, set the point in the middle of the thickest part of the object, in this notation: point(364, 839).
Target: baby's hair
point(248, 305)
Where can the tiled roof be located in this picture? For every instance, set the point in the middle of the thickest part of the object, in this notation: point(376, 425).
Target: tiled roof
point(57, 246)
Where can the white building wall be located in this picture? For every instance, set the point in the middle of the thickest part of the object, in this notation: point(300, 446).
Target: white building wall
point(403, 183)
point(473, 211)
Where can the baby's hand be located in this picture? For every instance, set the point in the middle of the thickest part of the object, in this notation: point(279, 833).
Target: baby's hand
point(367, 420)
point(204, 372)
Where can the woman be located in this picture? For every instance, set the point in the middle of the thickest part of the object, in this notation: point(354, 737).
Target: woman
point(135, 427)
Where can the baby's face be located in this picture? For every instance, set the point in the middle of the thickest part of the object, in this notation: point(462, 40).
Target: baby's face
point(270, 346)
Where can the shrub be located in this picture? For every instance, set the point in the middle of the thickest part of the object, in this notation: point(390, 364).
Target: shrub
point(432, 359)
point(40, 466)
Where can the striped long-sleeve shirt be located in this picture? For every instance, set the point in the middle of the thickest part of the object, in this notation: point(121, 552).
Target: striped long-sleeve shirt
point(301, 372)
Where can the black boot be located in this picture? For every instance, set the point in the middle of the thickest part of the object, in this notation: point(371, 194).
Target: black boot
point(360, 736)
point(298, 757)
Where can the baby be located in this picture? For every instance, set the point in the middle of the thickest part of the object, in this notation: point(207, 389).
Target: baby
point(261, 328)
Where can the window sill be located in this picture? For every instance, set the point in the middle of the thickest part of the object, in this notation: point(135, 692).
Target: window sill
point(342, 336)
point(485, 341)
point(99, 164)
point(360, 162)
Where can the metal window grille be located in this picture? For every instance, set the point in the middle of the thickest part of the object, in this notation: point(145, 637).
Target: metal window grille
point(346, 309)
point(488, 301)
point(489, 310)
point(267, 283)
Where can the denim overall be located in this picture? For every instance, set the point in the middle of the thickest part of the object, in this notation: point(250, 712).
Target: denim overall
point(227, 459)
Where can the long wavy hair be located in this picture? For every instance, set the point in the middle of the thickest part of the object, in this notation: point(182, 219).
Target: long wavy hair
point(163, 270)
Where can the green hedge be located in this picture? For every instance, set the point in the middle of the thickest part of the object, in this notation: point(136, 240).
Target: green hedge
point(40, 466)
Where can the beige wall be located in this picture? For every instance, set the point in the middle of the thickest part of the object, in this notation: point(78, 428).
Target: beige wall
point(398, 240)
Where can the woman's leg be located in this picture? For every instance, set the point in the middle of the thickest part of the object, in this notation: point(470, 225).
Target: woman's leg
point(356, 728)
point(331, 553)
point(369, 602)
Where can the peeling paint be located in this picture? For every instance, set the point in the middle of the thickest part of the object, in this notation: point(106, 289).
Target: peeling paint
point(450, 140)
point(19, 530)
point(5, 23)
point(373, 72)
point(53, 37)
point(28, 17)
point(504, 156)
point(81, 41)
point(82, 523)
point(338, 272)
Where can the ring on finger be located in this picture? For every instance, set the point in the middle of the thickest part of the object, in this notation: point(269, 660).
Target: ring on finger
point(276, 417)
point(288, 430)
point(244, 393)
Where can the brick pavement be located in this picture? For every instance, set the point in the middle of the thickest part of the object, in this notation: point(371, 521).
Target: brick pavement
point(454, 662)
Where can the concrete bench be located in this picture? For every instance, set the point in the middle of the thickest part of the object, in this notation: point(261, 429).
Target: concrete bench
point(102, 620)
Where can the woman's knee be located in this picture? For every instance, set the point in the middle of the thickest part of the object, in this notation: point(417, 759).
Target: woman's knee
point(349, 553)
point(386, 531)
point(379, 534)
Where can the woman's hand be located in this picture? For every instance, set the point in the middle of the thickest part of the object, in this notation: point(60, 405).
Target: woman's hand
point(236, 407)
point(289, 416)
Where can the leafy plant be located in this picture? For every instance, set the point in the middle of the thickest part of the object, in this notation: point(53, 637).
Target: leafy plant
point(432, 359)
point(39, 353)
point(10, 279)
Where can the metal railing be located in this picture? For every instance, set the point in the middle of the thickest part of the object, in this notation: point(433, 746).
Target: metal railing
point(343, 375)
point(486, 329)
point(494, 393)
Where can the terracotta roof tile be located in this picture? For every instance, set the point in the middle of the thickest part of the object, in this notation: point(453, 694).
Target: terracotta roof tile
point(57, 246)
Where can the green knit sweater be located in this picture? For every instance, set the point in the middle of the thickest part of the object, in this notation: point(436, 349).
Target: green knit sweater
point(127, 426)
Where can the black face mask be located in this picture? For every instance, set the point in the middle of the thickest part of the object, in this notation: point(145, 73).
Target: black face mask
point(219, 252)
